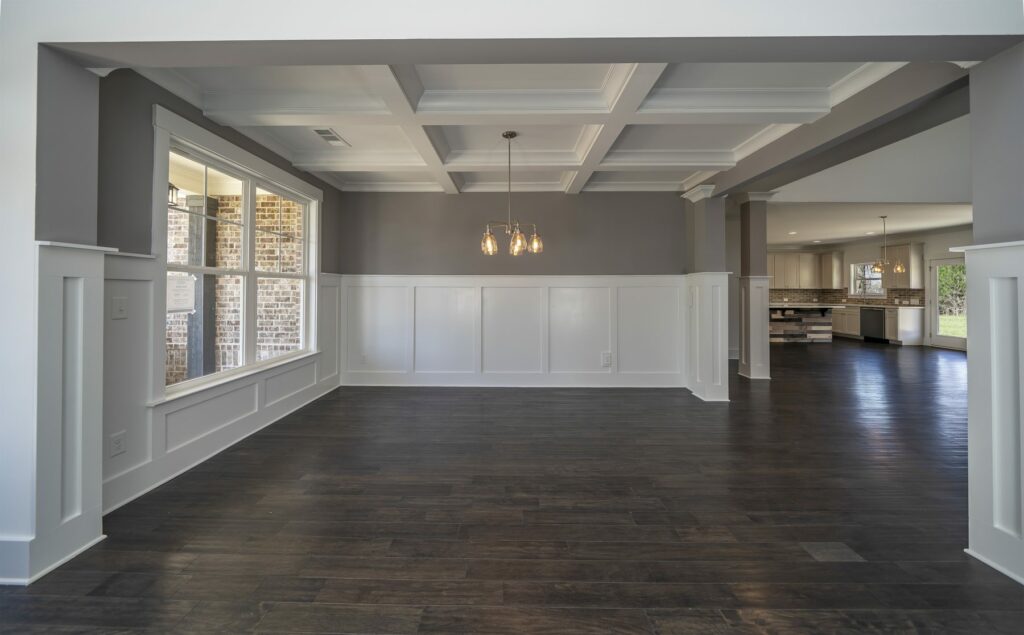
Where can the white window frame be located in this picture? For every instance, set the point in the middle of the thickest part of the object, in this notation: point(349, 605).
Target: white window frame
point(853, 282)
point(173, 132)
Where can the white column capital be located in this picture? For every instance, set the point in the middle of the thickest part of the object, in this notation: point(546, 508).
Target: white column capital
point(750, 197)
point(699, 193)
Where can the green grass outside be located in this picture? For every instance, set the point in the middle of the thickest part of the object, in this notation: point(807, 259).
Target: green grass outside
point(953, 325)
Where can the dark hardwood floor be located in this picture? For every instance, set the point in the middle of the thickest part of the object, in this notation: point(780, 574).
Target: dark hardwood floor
point(831, 499)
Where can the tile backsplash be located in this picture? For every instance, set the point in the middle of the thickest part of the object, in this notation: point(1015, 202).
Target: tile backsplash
point(838, 296)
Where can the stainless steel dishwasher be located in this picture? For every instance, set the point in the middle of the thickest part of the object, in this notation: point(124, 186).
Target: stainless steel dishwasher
point(872, 323)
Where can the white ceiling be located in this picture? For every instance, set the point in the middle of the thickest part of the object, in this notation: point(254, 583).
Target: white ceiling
point(842, 222)
point(647, 126)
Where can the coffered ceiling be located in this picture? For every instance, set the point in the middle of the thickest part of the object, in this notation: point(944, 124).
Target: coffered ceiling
point(648, 126)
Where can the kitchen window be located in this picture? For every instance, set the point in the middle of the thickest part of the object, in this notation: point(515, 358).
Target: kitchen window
point(865, 282)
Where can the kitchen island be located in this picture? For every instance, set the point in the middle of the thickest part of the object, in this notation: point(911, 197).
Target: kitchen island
point(800, 323)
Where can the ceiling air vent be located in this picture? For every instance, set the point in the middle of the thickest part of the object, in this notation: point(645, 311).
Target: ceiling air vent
point(331, 137)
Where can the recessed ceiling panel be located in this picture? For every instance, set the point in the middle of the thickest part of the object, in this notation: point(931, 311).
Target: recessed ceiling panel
point(637, 177)
point(497, 180)
point(529, 138)
point(686, 136)
point(756, 75)
point(512, 76)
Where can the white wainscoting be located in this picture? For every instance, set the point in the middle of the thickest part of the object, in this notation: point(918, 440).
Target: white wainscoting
point(995, 405)
point(69, 412)
point(166, 437)
point(515, 330)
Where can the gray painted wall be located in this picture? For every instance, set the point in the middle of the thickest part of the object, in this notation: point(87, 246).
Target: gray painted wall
point(584, 234)
point(997, 147)
point(66, 139)
point(126, 102)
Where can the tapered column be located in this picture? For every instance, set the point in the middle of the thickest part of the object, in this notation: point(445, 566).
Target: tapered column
point(707, 295)
point(995, 310)
point(755, 362)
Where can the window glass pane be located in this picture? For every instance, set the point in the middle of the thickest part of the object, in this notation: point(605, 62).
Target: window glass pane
point(203, 331)
point(279, 312)
point(279, 233)
point(199, 199)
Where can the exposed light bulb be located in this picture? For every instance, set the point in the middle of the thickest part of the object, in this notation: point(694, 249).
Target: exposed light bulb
point(488, 244)
point(878, 267)
point(536, 244)
point(517, 245)
point(899, 267)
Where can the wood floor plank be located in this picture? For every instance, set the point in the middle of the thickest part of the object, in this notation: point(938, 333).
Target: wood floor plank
point(807, 504)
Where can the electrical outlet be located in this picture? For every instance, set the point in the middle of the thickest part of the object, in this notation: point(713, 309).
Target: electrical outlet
point(118, 443)
point(606, 359)
point(118, 308)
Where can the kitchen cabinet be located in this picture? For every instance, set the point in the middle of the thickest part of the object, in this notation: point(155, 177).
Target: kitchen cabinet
point(810, 271)
point(904, 325)
point(912, 257)
point(792, 271)
point(802, 271)
point(846, 321)
point(831, 276)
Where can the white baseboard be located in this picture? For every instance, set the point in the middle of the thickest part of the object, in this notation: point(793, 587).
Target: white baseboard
point(1010, 574)
point(40, 574)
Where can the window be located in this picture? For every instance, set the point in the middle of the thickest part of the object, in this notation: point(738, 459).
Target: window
point(864, 281)
point(237, 267)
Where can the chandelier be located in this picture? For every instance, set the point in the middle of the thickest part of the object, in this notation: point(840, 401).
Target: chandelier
point(879, 265)
point(517, 243)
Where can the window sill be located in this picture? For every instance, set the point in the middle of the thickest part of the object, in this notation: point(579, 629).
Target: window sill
point(228, 377)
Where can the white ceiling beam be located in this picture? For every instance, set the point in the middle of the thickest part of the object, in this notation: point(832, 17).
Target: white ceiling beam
point(400, 89)
point(627, 87)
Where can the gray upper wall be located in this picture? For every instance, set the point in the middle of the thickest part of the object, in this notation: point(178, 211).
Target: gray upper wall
point(126, 102)
point(67, 113)
point(593, 233)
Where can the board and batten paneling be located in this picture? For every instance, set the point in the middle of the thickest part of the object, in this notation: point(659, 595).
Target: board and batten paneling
point(515, 330)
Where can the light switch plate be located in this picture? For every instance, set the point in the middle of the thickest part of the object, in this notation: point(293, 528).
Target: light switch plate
point(118, 308)
point(606, 359)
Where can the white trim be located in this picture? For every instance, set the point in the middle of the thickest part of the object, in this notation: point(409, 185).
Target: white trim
point(53, 243)
point(225, 377)
point(172, 131)
point(1001, 569)
point(967, 248)
point(207, 142)
point(699, 193)
point(39, 574)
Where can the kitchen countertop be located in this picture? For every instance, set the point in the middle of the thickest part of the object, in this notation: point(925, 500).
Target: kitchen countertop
point(811, 305)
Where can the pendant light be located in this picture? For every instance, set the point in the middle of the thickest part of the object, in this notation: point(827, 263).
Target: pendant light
point(517, 244)
point(879, 265)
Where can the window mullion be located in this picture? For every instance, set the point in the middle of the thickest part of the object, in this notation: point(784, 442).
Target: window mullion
point(249, 265)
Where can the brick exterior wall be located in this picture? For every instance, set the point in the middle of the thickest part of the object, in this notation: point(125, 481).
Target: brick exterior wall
point(279, 301)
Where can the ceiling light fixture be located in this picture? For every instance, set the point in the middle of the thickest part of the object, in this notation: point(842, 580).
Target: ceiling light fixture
point(517, 244)
point(879, 266)
point(792, 233)
point(815, 241)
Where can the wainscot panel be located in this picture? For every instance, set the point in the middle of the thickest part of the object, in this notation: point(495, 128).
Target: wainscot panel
point(515, 330)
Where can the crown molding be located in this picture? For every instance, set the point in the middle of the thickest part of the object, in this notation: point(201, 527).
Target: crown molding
point(734, 105)
point(699, 193)
point(358, 161)
point(493, 160)
point(864, 76)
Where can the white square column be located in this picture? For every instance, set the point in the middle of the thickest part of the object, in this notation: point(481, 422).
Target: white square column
point(995, 315)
